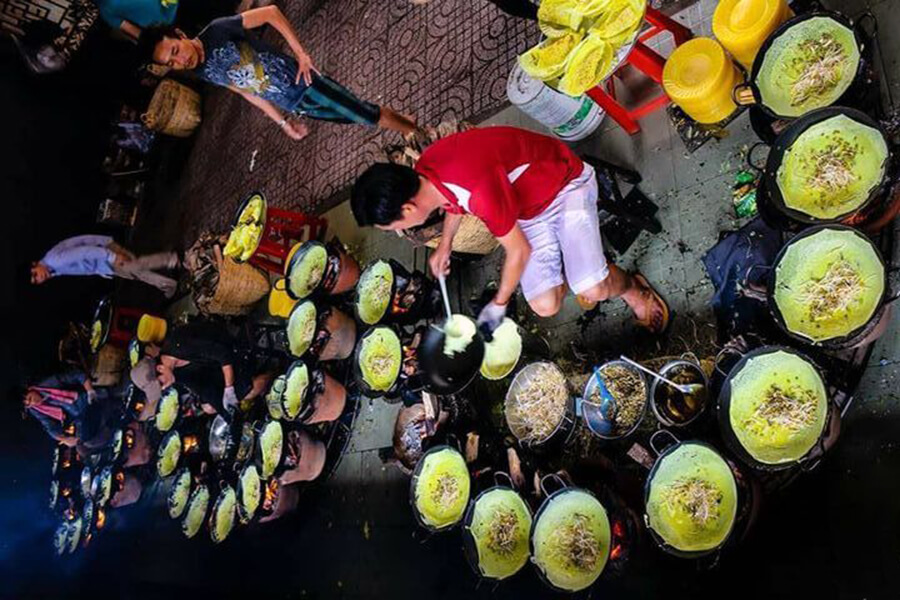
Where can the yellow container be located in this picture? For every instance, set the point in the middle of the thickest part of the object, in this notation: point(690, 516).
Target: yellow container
point(151, 329)
point(742, 26)
point(290, 255)
point(280, 304)
point(699, 77)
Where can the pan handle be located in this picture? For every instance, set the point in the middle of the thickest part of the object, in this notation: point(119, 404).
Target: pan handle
point(867, 16)
point(498, 475)
point(690, 357)
point(722, 353)
point(759, 169)
point(743, 95)
point(555, 478)
point(659, 433)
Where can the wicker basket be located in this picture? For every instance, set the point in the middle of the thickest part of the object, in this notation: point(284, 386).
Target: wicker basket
point(109, 365)
point(241, 285)
point(174, 109)
point(473, 237)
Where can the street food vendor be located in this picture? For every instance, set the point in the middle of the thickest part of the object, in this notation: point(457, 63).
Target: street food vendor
point(534, 195)
point(225, 53)
point(205, 358)
point(72, 410)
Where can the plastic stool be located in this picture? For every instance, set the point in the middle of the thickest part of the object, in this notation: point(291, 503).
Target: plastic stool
point(284, 229)
point(648, 62)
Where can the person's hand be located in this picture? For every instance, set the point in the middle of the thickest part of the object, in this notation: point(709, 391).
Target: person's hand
point(230, 399)
point(439, 261)
point(91, 396)
point(165, 376)
point(305, 68)
point(295, 130)
point(490, 317)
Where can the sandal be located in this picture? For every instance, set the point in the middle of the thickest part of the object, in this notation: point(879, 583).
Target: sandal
point(654, 322)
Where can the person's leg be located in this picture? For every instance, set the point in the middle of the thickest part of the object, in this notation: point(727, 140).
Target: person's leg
point(155, 262)
point(524, 9)
point(587, 272)
point(327, 100)
point(542, 280)
point(129, 270)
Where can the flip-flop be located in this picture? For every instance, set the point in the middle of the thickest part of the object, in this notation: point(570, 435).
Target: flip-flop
point(648, 323)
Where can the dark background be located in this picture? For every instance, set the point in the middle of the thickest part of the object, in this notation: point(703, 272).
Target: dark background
point(835, 534)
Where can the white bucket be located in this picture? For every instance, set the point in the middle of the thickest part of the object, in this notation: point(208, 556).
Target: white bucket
point(569, 118)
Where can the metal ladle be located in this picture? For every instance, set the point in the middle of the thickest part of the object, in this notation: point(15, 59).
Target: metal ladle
point(443, 282)
point(687, 389)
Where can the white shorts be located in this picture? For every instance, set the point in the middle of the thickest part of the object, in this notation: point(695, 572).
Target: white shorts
point(566, 234)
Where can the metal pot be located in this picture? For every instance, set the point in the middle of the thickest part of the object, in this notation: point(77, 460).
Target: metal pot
point(596, 417)
point(748, 92)
point(728, 434)
point(769, 198)
point(566, 426)
point(658, 388)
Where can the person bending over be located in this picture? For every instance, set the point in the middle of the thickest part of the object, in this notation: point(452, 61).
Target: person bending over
point(534, 195)
point(203, 357)
point(225, 53)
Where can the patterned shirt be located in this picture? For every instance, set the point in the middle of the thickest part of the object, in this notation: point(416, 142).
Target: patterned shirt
point(81, 255)
point(237, 58)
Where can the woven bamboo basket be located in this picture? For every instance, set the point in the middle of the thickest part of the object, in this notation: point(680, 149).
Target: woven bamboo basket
point(473, 237)
point(109, 365)
point(174, 109)
point(241, 285)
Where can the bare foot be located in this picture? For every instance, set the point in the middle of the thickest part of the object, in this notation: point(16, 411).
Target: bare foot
point(650, 310)
point(515, 468)
point(296, 131)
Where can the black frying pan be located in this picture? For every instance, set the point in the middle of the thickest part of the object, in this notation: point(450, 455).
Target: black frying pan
point(448, 374)
point(748, 92)
point(771, 203)
point(262, 221)
point(728, 434)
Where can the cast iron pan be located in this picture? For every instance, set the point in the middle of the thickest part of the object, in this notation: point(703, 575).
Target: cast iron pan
point(391, 392)
point(728, 433)
point(412, 491)
point(839, 343)
point(752, 85)
point(770, 199)
point(658, 538)
point(262, 221)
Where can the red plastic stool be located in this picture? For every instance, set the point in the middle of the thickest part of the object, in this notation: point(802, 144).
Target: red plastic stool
point(648, 62)
point(123, 325)
point(284, 229)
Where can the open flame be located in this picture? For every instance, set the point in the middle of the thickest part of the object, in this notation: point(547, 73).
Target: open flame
point(271, 495)
point(190, 443)
point(618, 542)
point(129, 439)
point(101, 518)
point(120, 479)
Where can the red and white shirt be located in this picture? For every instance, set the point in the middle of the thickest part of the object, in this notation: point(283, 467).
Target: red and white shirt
point(499, 174)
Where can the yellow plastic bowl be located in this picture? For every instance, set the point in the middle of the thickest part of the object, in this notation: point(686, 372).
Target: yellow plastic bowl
point(699, 77)
point(280, 304)
point(742, 26)
point(151, 330)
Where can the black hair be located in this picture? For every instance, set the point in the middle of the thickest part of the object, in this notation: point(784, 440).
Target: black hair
point(151, 36)
point(380, 193)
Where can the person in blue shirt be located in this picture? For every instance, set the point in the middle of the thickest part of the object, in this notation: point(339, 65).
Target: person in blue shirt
point(100, 255)
point(226, 54)
point(131, 16)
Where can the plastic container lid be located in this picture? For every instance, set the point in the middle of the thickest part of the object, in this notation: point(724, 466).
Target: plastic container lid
point(743, 25)
point(695, 69)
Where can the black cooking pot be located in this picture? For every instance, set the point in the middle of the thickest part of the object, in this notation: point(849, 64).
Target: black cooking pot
point(852, 339)
point(769, 199)
point(244, 516)
point(262, 221)
point(314, 387)
point(417, 472)
point(742, 496)
point(103, 313)
point(728, 434)
point(258, 454)
point(448, 374)
point(748, 92)
point(470, 548)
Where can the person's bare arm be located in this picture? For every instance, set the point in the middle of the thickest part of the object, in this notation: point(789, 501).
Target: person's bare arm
point(272, 15)
point(130, 29)
point(228, 374)
point(440, 259)
point(518, 251)
point(293, 129)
